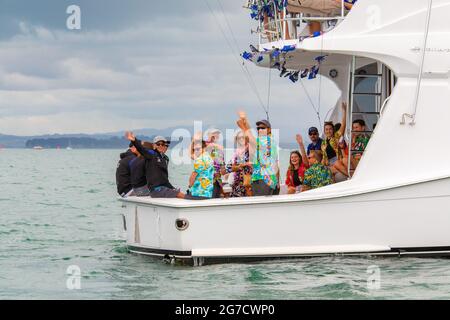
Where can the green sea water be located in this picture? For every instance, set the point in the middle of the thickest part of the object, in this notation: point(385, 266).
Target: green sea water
point(59, 210)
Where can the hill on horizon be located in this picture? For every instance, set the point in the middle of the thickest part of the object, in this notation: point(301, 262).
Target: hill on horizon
point(96, 140)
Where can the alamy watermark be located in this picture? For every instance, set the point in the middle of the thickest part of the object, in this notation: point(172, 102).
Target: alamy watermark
point(373, 20)
point(374, 278)
point(73, 281)
point(73, 22)
point(180, 154)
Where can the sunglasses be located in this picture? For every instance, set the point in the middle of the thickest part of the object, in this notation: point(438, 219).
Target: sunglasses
point(162, 144)
point(313, 133)
point(261, 128)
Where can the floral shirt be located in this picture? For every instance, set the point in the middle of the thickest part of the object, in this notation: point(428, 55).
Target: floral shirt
point(318, 176)
point(241, 156)
point(218, 158)
point(265, 162)
point(203, 185)
point(334, 143)
point(360, 143)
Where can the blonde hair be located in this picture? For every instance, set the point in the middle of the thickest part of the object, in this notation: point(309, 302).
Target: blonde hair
point(195, 142)
point(236, 138)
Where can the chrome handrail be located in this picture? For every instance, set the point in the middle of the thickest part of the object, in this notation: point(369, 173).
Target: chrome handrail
point(280, 24)
point(384, 104)
point(303, 18)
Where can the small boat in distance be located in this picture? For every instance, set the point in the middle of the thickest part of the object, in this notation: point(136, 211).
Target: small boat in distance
point(38, 148)
point(69, 148)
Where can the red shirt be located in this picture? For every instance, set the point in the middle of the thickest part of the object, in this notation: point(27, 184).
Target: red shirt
point(301, 174)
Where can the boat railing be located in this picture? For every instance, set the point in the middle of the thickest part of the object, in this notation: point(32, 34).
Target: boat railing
point(285, 25)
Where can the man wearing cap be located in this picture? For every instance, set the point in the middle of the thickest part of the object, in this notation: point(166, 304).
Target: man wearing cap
point(264, 152)
point(123, 174)
point(316, 141)
point(156, 167)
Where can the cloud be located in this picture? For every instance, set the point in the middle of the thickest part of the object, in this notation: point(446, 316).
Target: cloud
point(150, 67)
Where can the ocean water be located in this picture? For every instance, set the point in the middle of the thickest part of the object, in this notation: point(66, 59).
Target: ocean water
point(59, 212)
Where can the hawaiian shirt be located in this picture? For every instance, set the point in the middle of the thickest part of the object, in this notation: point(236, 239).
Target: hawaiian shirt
point(241, 156)
point(318, 176)
point(334, 143)
point(218, 157)
point(203, 185)
point(360, 143)
point(265, 162)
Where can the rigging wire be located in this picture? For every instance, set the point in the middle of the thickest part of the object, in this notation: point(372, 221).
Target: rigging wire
point(320, 79)
point(248, 74)
point(269, 89)
point(311, 102)
point(228, 24)
point(243, 67)
point(267, 108)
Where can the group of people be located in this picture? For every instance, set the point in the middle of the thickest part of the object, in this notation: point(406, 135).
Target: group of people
point(327, 160)
point(254, 165)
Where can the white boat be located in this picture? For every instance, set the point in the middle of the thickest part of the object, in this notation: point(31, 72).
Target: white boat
point(398, 198)
point(38, 148)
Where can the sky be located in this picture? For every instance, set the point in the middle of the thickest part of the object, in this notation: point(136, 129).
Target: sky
point(137, 64)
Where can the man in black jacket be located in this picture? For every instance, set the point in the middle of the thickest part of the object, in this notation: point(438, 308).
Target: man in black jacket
point(123, 175)
point(156, 167)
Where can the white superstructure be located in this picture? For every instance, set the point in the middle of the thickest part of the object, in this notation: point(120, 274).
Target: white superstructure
point(398, 201)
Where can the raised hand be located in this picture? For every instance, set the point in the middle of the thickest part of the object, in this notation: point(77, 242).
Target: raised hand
point(242, 115)
point(241, 124)
point(299, 139)
point(344, 106)
point(130, 136)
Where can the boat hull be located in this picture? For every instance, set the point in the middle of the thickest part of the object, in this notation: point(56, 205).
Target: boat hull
point(405, 220)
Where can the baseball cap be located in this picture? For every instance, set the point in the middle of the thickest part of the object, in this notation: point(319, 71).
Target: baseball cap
point(264, 123)
point(159, 139)
point(212, 131)
point(313, 129)
point(130, 145)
